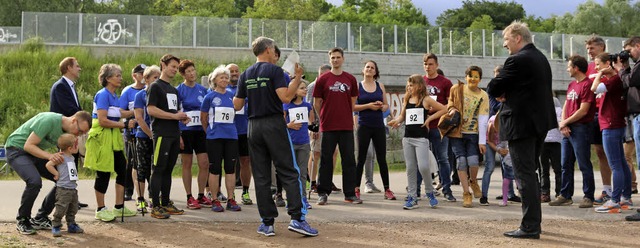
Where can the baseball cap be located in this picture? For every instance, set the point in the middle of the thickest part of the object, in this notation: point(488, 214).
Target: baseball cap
point(139, 68)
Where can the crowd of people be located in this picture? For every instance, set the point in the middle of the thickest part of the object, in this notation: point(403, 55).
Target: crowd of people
point(272, 125)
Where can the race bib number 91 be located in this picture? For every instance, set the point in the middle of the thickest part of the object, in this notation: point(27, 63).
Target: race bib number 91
point(299, 114)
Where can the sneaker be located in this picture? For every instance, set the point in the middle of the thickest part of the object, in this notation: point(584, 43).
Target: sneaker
point(602, 198)
point(217, 207)
point(314, 189)
point(449, 197)
point(433, 202)
point(232, 205)
point(302, 227)
point(221, 197)
point(24, 227)
point(56, 232)
point(499, 197)
point(626, 204)
point(306, 203)
point(633, 217)
point(410, 203)
point(205, 201)
point(515, 198)
point(484, 201)
point(352, 200)
point(545, 198)
point(467, 200)
point(39, 223)
point(322, 199)
point(503, 203)
point(266, 230)
point(172, 209)
point(371, 188)
point(246, 199)
point(105, 215)
point(358, 192)
point(279, 200)
point(74, 228)
point(335, 189)
point(141, 206)
point(477, 192)
point(586, 203)
point(192, 203)
point(388, 195)
point(561, 201)
point(159, 213)
point(124, 212)
point(609, 207)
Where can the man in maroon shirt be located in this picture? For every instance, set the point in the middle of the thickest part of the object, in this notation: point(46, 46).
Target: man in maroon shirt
point(577, 115)
point(438, 88)
point(335, 96)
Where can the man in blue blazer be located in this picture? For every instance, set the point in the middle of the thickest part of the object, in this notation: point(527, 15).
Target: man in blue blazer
point(524, 88)
point(64, 98)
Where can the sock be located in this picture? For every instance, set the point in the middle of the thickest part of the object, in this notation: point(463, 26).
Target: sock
point(245, 189)
point(313, 182)
point(189, 196)
point(607, 188)
point(118, 206)
point(505, 190)
point(200, 196)
point(140, 198)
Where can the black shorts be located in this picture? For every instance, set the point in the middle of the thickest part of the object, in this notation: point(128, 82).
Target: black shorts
point(243, 145)
point(596, 138)
point(194, 141)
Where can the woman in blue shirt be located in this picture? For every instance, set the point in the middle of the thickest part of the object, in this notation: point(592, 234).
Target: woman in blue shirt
point(217, 116)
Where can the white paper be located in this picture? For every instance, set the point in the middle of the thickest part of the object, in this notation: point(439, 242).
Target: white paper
point(290, 64)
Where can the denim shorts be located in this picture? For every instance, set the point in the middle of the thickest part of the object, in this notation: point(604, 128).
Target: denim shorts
point(507, 171)
point(466, 150)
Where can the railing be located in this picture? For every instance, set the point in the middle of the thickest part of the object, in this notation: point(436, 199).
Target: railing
point(178, 31)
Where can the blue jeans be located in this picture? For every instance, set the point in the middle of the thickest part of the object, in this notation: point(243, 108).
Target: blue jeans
point(577, 146)
point(612, 140)
point(466, 150)
point(489, 166)
point(636, 135)
point(440, 148)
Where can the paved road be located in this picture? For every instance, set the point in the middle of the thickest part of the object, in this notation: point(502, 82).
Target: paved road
point(374, 209)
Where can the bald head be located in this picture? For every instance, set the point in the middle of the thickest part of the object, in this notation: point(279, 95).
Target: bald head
point(234, 71)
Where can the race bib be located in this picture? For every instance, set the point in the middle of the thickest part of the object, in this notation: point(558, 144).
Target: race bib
point(113, 112)
point(299, 114)
point(241, 111)
point(224, 115)
point(73, 172)
point(415, 116)
point(195, 118)
point(130, 106)
point(172, 101)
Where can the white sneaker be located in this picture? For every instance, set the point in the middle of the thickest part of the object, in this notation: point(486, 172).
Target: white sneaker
point(371, 188)
point(609, 207)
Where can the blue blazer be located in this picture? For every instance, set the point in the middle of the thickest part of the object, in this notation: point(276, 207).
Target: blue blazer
point(62, 99)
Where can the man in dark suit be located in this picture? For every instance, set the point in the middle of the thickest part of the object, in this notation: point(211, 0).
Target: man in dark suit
point(524, 87)
point(63, 96)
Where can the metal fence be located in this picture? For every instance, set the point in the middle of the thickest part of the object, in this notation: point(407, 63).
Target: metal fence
point(178, 31)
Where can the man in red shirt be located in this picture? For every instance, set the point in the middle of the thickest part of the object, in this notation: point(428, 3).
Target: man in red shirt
point(335, 96)
point(577, 115)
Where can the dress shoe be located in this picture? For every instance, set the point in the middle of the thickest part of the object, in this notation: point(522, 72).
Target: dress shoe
point(519, 234)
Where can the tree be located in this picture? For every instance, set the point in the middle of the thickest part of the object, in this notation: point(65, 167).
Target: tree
point(377, 11)
point(285, 9)
point(613, 18)
point(482, 22)
point(11, 11)
point(502, 13)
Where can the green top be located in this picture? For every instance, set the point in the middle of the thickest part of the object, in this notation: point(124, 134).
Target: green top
point(47, 125)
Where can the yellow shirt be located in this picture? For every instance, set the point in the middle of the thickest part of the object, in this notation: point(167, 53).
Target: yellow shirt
point(471, 111)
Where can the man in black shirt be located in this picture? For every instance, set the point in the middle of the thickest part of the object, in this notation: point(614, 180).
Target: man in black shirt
point(264, 86)
point(163, 106)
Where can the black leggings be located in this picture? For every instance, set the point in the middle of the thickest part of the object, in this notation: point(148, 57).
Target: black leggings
point(165, 155)
point(119, 166)
point(378, 136)
point(219, 150)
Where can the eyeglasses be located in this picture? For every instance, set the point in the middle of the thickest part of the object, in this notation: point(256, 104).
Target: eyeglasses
point(80, 131)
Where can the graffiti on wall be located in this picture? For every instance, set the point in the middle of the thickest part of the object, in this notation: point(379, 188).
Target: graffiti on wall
point(5, 35)
point(394, 99)
point(111, 31)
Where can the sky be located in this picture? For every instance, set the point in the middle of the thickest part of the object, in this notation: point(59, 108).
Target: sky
point(543, 8)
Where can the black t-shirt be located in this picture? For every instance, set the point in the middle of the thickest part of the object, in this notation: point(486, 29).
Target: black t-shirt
point(416, 130)
point(165, 97)
point(258, 84)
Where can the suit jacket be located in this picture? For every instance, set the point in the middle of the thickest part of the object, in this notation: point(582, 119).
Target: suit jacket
point(62, 99)
point(525, 81)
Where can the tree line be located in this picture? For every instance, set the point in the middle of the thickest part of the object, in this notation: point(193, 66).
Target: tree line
point(611, 18)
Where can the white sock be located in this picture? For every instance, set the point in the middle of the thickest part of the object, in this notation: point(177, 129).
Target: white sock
point(607, 188)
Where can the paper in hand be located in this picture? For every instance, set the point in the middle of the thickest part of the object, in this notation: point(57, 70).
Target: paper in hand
point(290, 64)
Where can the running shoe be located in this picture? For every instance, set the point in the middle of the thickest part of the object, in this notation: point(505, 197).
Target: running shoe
point(306, 203)
point(626, 204)
point(610, 207)
point(172, 209)
point(24, 227)
point(352, 200)
point(433, 202)
point(410, 203)
point(159, 213)
point(205, 201)
point(217, 207)
point(74, 228)
point(105, 215)
point(246, 199)
point(192, 203)
point(40, 223)
point(141, 206)
point(232, 205)
point(221, 197)
point(123, 212)
point(279, 200)
point(322, 199)
point(484, 201)
point(56, 232)
point(371, 188)
point(302, 227)
point(357, 192)
point(335, 189)
point(388, 195)
point(266, 230)
point(602, 198)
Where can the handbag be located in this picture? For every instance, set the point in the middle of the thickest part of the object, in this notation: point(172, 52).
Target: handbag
point(448, 123)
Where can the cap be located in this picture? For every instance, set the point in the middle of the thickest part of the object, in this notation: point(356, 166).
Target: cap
point(139, 68)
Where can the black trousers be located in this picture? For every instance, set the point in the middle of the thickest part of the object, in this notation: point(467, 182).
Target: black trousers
point(525, 154)
point(166, 151)
point(379, 138)
point(325, 173)
point(550, 159)
point(269, 141)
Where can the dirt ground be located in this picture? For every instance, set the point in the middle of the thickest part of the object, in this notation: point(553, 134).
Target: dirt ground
point(477, 233)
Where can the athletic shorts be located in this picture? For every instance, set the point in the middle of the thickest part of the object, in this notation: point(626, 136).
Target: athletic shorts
point(194, 141)
point(243, 145)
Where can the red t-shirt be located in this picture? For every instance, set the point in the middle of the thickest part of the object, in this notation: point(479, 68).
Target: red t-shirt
point(438, 87)
point(614, 104)
point(578, 93)
point(336, 92)
point(592, 73)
